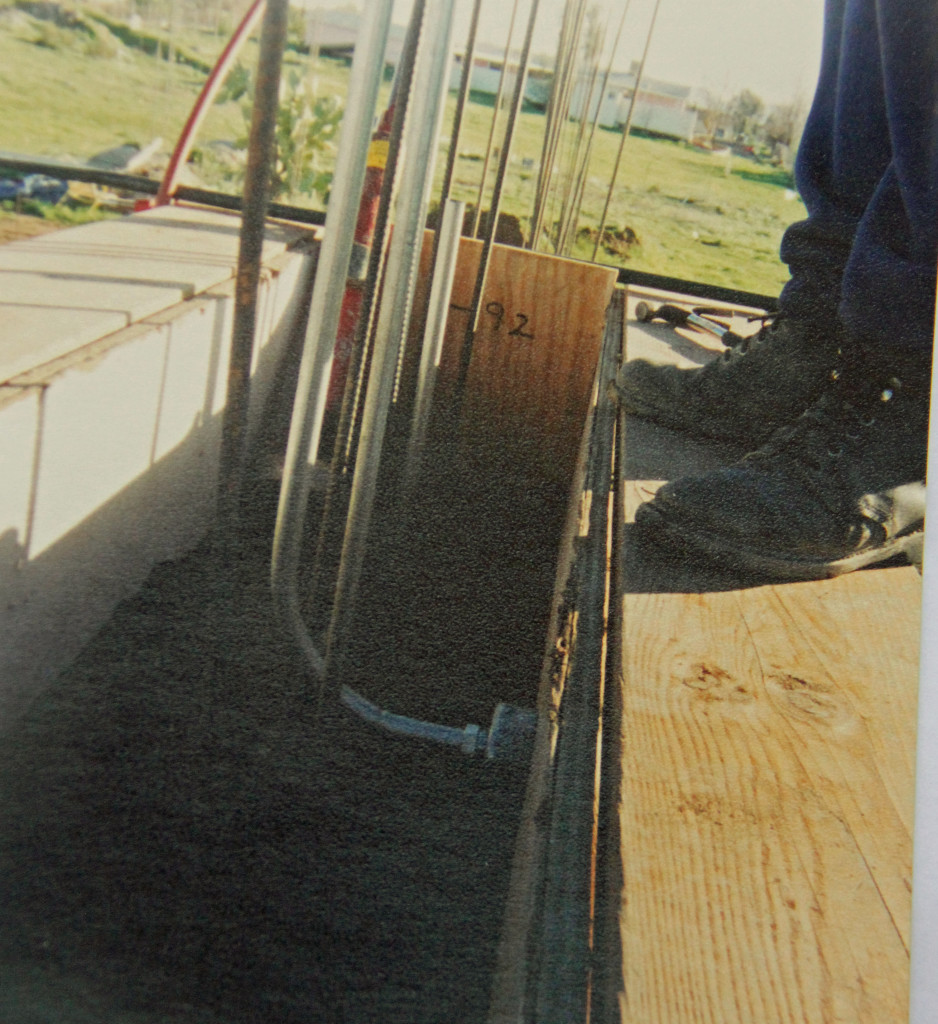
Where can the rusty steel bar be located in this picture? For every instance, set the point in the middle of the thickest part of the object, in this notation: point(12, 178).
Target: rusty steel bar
point(319, 345)
point(492, 225)
point(256, 196)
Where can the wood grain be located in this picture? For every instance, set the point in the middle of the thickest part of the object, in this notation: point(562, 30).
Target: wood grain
point(768, 755)
point(766, 811)
point(534, 355)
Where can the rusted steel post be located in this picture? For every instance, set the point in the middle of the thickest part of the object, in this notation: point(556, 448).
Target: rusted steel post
point(256, 196)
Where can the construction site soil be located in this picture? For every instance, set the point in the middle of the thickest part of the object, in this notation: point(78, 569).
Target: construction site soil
point(186, 836)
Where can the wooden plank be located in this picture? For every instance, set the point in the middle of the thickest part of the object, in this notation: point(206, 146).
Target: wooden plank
point(767, 801)
point(517, 956)
point(767, 766)
point(533, 357)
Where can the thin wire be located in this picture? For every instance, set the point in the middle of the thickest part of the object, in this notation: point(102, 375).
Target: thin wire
point(581, 180)
point(499, 96)
point(518, 98)
point(625, 130)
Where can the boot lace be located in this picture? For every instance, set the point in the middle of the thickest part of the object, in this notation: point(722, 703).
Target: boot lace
point(827, 430)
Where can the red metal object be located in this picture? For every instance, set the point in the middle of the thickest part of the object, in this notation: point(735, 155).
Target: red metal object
point(364, 236)
point(203, 104)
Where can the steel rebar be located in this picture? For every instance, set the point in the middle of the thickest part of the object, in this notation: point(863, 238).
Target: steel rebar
point(499, 97)
point(584, 168)
point(558, 112)
point(231, 457)
point(316, 362)
point(568, 213)
point(419, 151)
point(441, 288)
point(331, 528)
point(625, 130)
point(465, 84)
point(491, 226)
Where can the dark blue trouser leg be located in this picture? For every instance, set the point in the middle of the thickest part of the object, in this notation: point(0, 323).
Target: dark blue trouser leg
point(867, 170)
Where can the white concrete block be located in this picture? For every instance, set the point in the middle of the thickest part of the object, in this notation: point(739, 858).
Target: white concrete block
point(43, 319)
point(99, 427)
point(20, 410)
point(64, 289)
point(192, 389)
point(126, 470)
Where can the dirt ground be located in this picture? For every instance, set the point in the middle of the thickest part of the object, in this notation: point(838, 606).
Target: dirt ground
point(14, 226)
point(184, 839)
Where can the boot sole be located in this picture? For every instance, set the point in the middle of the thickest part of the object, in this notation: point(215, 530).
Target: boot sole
point(907, 546)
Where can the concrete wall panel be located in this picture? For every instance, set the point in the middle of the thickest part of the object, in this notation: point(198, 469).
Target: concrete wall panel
point(124, 472)
point(99, 423)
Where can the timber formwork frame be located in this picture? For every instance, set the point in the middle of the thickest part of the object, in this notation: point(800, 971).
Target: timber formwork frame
point(556, 960)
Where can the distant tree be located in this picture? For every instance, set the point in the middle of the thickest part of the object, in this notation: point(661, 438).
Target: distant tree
point(745, 109)
point(785, 122)
point(712, 110)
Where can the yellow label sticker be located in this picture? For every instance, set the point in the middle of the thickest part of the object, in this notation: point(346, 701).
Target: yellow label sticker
point(378, 153)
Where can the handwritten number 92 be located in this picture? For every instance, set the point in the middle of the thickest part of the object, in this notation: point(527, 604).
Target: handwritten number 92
point(497, 311)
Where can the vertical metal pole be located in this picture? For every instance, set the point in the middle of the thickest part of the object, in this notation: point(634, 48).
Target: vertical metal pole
point(438, 307)
point(557, 113)
point(465, 83)
point(256, 195)
point(332, 523)
point(625, 132)
point(565, 143)
point(316, 363)
point(472, 327)
point(419, 151)
point(502, 79)
point(584, 167)
point(569, 209)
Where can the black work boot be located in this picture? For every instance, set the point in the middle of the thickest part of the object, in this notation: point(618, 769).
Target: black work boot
point(747, 393)
point(839, 489)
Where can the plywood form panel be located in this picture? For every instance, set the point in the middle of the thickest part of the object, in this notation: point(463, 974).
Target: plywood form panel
point(768, 750)
point(534, 354)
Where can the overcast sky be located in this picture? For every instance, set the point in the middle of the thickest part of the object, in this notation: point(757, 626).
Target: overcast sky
point(769, 46)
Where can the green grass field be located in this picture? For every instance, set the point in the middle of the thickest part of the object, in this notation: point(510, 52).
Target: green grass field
point(694, 215)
